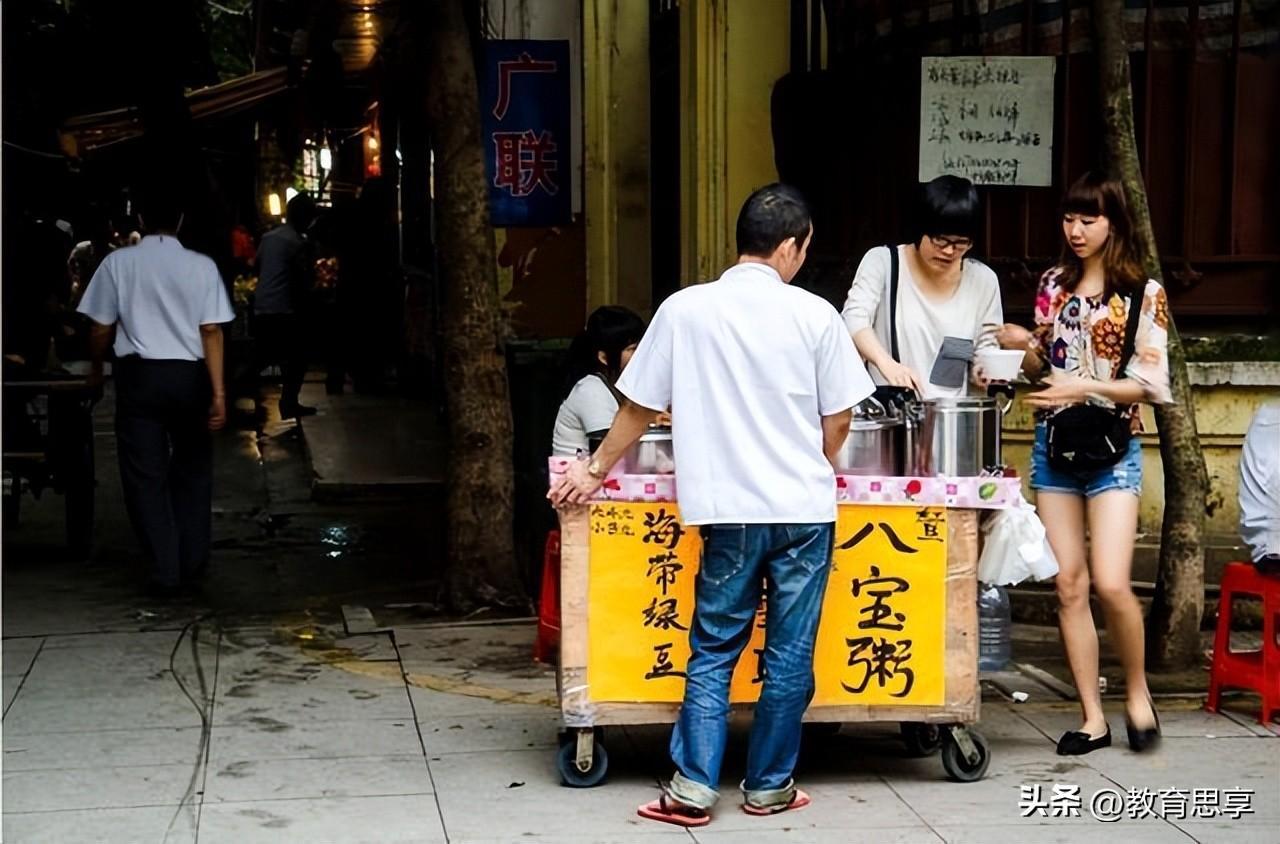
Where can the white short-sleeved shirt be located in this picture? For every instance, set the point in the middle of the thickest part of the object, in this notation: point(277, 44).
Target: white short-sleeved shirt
point(749, 366)
point(923, 323)
point(160, 293)
point(589, 407)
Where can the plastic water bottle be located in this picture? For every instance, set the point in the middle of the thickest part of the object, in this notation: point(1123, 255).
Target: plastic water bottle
point(995, 645)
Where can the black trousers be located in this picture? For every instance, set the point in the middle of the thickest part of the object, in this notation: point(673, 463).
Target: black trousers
point(166, 461)
point(280, 339)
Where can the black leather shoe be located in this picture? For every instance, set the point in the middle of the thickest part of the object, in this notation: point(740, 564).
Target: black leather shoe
point(1077, 743)
point(1145, 739)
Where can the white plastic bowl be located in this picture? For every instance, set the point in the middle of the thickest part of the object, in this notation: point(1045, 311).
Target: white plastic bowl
point(999, 364)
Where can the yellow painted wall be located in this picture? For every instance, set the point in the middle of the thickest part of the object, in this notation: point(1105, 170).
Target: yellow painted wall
point(759, 53)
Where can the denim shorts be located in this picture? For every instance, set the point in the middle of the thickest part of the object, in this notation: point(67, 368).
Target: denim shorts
point(1125, 475)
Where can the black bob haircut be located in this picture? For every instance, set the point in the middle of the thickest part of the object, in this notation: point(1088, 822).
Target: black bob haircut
point(948, 205)
point(769, 216)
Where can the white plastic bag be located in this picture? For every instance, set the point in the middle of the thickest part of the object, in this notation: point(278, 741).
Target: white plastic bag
point(1015, 547)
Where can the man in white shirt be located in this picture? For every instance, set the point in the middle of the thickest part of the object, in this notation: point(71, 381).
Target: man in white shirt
point(1260, 489)
point(761, 378)
point(165, 306)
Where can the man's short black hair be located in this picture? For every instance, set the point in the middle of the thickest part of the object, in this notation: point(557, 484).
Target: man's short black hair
point(301, 210)
point(948, 205)
point(160, 207)
point(769, 216)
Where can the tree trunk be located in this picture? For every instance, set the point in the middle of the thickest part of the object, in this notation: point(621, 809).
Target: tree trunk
point(482, 567)
point(1173, 627)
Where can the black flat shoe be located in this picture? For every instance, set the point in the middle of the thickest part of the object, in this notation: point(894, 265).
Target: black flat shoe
point(1077, 743)
point(1144, 739)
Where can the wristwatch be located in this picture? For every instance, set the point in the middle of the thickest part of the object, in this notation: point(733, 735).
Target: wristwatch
point(595, 470)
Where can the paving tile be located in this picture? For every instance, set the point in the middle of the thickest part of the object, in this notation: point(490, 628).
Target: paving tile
point(714, 834)
point(660, 834)
point(282, 779)
point(498, 731)
point(95, 788)
point(106, 826)
point(1155, 832)
point(520, 793)
point(430, 704)
point(1183, 722)
point(841, 802)
point(328, 739)
point(104, 749)
point(1230, 832)
point(305, 692)
point(358, 820)
point(129, 689)
point(11, 686)
point(16, 655)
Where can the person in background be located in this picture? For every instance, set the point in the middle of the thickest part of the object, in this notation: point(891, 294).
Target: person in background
point(596, 359)
point(165, 306)
point(761, 377)
point(279, 302)
point(948, 305)
point(1260, 489)
point(1082, 312)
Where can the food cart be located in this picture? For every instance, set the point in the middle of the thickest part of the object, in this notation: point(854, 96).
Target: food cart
point(898, 640)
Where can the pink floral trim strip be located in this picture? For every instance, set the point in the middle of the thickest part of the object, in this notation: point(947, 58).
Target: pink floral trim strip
point(965, 493)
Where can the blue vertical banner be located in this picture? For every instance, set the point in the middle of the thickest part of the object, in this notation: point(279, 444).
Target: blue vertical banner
point(524, 106)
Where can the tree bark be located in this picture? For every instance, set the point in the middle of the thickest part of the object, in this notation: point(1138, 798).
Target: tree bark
point(1173, 626)
point(482, 568)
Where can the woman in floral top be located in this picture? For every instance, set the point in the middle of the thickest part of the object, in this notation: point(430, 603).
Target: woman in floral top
point(1082, 309)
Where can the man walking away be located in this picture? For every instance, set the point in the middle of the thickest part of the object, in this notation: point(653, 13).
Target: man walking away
point(165, 306)
point(761, 377)
point(284, 282)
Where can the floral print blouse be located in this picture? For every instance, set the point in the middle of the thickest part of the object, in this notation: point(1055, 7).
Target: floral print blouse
point(1084, 336)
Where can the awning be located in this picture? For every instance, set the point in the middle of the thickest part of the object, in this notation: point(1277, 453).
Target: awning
point(92, 132)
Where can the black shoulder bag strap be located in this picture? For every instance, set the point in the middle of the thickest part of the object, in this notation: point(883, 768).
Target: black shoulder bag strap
point(1136, 301)
point(893, 301)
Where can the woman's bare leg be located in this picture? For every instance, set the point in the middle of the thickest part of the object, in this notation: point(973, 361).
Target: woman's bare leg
point(1063, 517)
point(1113, 528)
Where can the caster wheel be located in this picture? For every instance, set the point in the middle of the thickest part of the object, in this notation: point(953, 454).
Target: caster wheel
point(571, 775)
point(921, 739)
point(957, 766)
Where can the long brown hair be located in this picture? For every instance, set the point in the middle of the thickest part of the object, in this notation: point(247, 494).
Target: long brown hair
point(1094, 195)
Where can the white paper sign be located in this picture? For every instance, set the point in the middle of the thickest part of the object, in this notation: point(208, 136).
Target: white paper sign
point(989, 119)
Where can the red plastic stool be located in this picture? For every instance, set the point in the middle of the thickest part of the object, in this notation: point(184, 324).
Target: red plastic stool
point(1259, 670)
point(547, 644)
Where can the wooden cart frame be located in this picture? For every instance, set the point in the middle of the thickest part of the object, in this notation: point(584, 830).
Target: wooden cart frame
point(583, 761)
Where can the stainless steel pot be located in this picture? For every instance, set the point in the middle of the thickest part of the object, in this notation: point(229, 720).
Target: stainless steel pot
point(955, 436)
point(652, 454)
point(876, 440)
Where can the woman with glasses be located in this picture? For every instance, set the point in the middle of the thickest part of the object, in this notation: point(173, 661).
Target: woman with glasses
point(922, 328)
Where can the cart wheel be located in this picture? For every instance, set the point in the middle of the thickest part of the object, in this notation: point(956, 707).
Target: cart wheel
point(957, 766)
point(571, 775)
point(921, 739)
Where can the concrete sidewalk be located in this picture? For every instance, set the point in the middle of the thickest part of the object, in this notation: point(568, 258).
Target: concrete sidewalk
point(298, 732)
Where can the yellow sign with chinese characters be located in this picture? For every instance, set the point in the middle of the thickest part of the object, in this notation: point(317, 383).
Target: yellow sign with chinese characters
point(882, 638)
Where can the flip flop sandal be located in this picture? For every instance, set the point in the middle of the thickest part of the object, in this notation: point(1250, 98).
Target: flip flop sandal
point(798, 801)
point(673, 813)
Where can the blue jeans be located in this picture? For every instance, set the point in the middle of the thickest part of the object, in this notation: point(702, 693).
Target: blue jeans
point(1125, 475)
point(793, 561)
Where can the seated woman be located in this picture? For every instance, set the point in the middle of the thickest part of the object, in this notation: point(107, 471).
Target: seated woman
point(947, 306)
point(596, 359)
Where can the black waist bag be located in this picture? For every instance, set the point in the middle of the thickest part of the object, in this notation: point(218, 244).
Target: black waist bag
point(1085, 437)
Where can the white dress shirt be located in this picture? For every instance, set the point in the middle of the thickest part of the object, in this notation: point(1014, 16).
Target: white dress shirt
point(160, 293)
point(749, 366)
